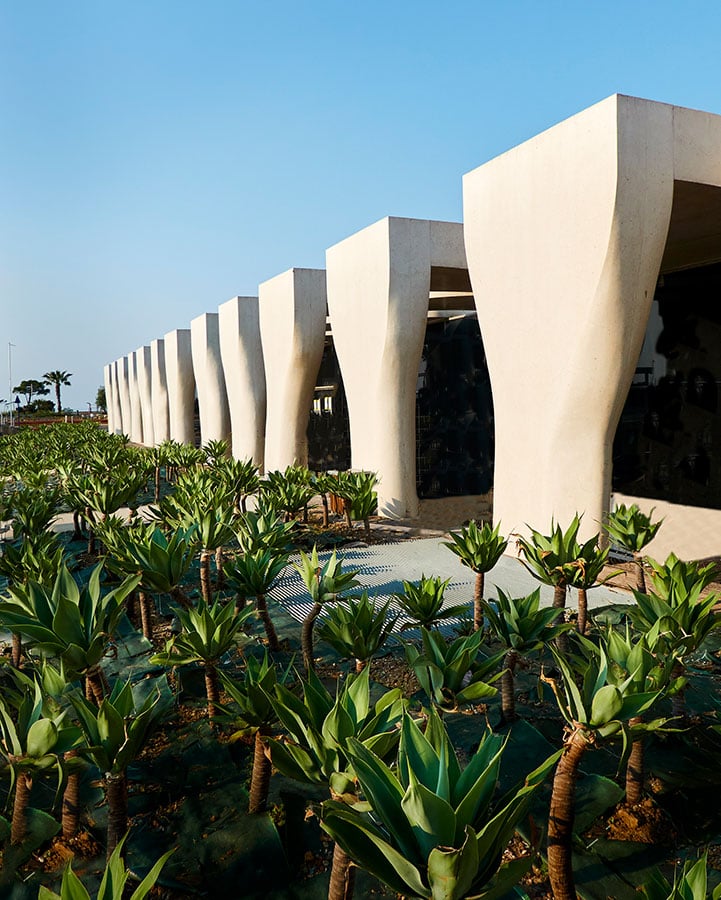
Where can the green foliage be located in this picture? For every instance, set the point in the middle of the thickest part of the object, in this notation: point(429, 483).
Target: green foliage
point(429, 829)
point(478, 548)
point(161, 562)
point(423, 602)
point(107, 491)
point(558, 559)
point(290, 490)
point(359, 629)
point(519, 624)
point(252, 694)
point(453, 673)
point(691, 883)
point(631, 529)
point(325, 582)
point(263, 530)
point(113, 883)
point(208, 632)
point(253, 574)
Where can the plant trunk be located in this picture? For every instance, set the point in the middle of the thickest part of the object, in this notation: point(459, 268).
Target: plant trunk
point(342, 876)
point(508, 695)
point(360, 664)
point(347, 506)
point(156, 495)
point(18, 828)
point(367, 526)
point(219, 575)
point(17, 650)
point(240, 601)
point(560, 820)
point(260, 779)
point(146, 614)
point(211, 689)
point(77, 533)
point(179, 595)
point(478, 586)
point(640, 577)
point(98, 683)
point(262, 607)
point(582, 623)
point(634, 768)
point(306, 637)
point(305, 513)
point(205, 574)
point(326, 517)
point(678, 701)
point(71, 801)
point(116, 793)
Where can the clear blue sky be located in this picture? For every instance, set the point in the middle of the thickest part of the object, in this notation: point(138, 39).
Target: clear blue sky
point(158, 158)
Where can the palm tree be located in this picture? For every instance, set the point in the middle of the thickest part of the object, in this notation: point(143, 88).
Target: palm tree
point(57, 378)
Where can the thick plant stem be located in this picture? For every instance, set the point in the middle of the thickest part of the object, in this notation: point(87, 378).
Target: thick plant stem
point(640, 577)
point(678, 701)
point(347, 506)
point(560, 820)
point(270, 633)
point(478, 585)
point(219, 574)
point(17, 650)
point(77, 533)
point(240, 601)
point(306, 637)
point(18, 828)
point(634, 769)
point(582, 623)
point(205, 575)
point(179, 595)
point(360, 664)
point(116, 793)
point(260, 779)
point(146, 614)
point(367, 526)
point(324, 501)
point(71, 801)
point(342, 876)
point(156, 495)
point(212, 690)
point(508, 694)
point(98, 683)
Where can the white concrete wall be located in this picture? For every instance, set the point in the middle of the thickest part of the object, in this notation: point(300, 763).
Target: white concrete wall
point(378, 288)
point(143, 363)
point(136, 416)
point(109, 394)
point(242, 355)
point(159, 392)
point(122, 376)
point(292, 326)
point(209, 379)
point(181, 385)
point(564, 238)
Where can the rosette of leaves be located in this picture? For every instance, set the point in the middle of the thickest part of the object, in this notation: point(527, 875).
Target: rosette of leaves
point(429, 829)
point(422, 601)
point(453, 673)
point(253, 575)
point(633, 530)
point(690, 883)
point(479, 549)
point(290, 490)
point(263, 530)
point(357, 629)
point(240, 476)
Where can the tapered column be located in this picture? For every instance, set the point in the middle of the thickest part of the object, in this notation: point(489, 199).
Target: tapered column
point(136, 416)
point(181, 385)
point(109, 392)
point(159, 392)
point(242, 355)
point(122, 376)
point(114, 401)
point(564, 239)
point(142, 359)
point(292, 327)
point(209, 379)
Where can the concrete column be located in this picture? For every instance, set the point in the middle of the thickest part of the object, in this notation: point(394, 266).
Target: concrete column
point(242, 355)
point(142, 358)
point(181, 385)
point(159, 392)
point(122, 374)
point(109, 392)
point(378, 288)
point(292, 327)
point(136, 416)
point(114, 400)
point(209, 379)
point(564, 238)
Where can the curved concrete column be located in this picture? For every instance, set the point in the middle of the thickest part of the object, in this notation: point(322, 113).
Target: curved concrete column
point(180, 382)
point(209, 379)
point(143, 363)
point(136, 416)
point(242, 355)
point(109, 394)
point(122, 375)
point(564, 237)
point(378, 288)
point(292, 327)
point(159, 392)
point(114, 400)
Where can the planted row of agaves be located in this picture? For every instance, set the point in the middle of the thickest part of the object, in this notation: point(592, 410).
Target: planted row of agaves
point(424, 821)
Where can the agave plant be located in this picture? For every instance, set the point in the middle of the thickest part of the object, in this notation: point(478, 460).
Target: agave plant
point(691, 883)
point(116, 732)
point(632, 530)
point(422, 601)
point(33, 510)
point(255, 715)
point(479, 549)
point(263, 530)
point(428, 828)
point(241, 479)
point(597, 708)
point(215, 451)
point(290, 491)
point(453, 674)
point(112, 884)
point(208, 633)
point(104, 493)
point(324, 583)
point(356, 629)
point(253, 575)
point(73, 624)
point(522, 627)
